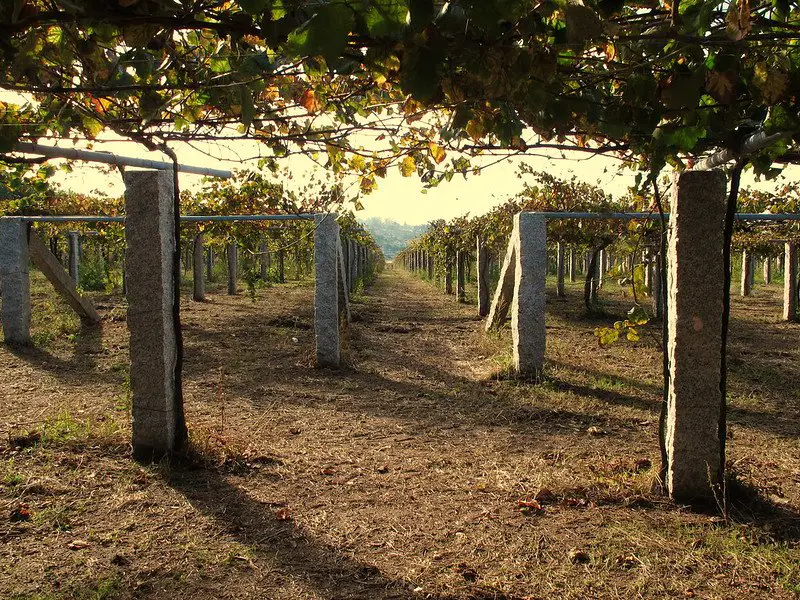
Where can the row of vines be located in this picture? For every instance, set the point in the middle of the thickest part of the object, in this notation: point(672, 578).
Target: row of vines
point(635, 245)
point(268, 251)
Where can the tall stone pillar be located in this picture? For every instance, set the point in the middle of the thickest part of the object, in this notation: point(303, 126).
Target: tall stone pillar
point(232, 256)
point(210, 264)
point(263, 252)
point(560, 270)
point(345, 247)
point(150, 257)
point(353, 267)
point(74, 255)
point(767, 270)
point(461, 276)
point(198, 285)
point(326, 295)
point(747, 273)
point(15, 281)
point(528, 306)
point(482, 273)
point(281, 266)
point(573, 266)
point(695, 441)
point(601, 268)
point(790, 282)
point(448, 274)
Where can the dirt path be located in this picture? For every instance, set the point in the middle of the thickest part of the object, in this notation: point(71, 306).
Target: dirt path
point(413, 472)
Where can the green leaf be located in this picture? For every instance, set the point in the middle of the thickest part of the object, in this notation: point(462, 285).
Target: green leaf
point(248, 109)
point(8, 137)
point(254, 7)
point(325, 34)
point(420, 75)
point(92, 126)
point(606, 335)
point(386, 18)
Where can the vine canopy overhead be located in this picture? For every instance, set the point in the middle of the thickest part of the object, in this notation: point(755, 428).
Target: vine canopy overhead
point(364, 85)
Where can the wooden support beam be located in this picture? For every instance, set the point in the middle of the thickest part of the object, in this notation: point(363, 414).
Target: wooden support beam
point(48, 264)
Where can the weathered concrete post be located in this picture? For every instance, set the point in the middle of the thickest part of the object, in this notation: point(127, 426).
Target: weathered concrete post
point(150, 255)
point(461, 276)
point(448, 274)
point(767, 270)
point(482, 275)
point(528, 306)
point(210, 264)
point(573, 266)
point(695, 442)
point(232, 256)
point(15, 281)
point(353, 267)
point(263, 252)
point(790, 282)
point(560, 270)
point(73, 255)
point(601, 269)
point(656, 289)
point(326, 290)
point(747, 273)
point(345, 247)
point(198, 288)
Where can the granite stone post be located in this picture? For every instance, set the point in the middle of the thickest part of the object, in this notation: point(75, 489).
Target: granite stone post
point(263, 252)
point(345, 249)
point(15, 281)
point(150, 256)
point(353, 268)
point(326, 294)
point(747, 273)
point(461, 279)
point(281, 266)
point(448, 274)
point(656, 289)
point(601, 268)
point(528, 306)
point(790, 282)
point(210, 264)
point(74, 255)
point(767, 270)
point(482, 276)
point(695, 428)
point(560, 268)
point(573, 266)
point(232, 256)
point(198, 284)
point(360, 262)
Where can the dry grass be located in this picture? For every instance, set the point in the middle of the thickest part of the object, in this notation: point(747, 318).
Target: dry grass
point(414, 472)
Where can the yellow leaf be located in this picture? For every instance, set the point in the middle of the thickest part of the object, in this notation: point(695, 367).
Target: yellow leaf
point(475, 129)
point(437, 152)
point(408, 167)
point(771, 82)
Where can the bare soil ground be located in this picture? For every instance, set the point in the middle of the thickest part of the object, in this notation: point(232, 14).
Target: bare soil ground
point(417, 471)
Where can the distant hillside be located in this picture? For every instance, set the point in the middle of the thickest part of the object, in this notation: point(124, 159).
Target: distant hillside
point(391, 235)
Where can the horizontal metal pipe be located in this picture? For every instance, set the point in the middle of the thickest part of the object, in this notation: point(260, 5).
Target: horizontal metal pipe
point(633, 216)
point(184, 218)
point(113, 159)
point(754, 143)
